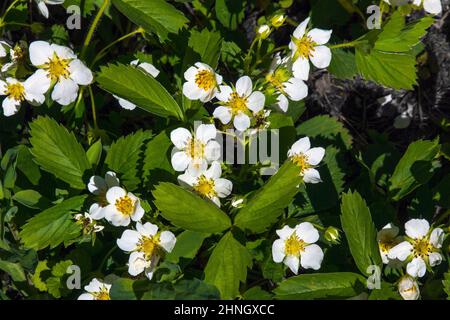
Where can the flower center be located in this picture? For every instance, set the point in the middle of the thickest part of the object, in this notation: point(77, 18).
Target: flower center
point(57, 68)
point(148, 245)
point(125, 206)
point(277, 78)
point(385, 246)
point(305, 47)
point(205, 79)
point(422, 248)
point(293, 246)
point(16, 91)
point(237, 104)
point(195, 149)
point(102, 295)
point(205, 187)
point(301, 160)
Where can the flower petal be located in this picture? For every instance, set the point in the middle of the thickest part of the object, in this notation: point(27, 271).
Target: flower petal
point(432, 6)
point(416, 268)
point(40, 52)
point(299, 32)
point(10, 107)
point(437, 237)
point(114, 194)
point(293, 263)
point(306, 232)
point(129, 240)
point(300, 146)
point(311, 176)
point(214, 171)
point(321, 57)
point(192, 91)
point(285, 232)
point(147, 229)
point(244, 86)
point(315, 155)
point(278, 250)
point(282, 102)
point(400, 251)
point(224, 93)
point(320, 36)
point(312, 257)
point(223, 187)
point(241, 122)
point(38, 82)
point(205, 132)
point(212, 151)
point(180, 137)
point(63, 52)
point(65, 92)
point(255, 101)
point(223, 114)
point(417, 228)
point(180, 161)
point(150, 69)
point(81, 74)
point(435, 259)
point(167, 241)
point(300, 68)
point(296, 89)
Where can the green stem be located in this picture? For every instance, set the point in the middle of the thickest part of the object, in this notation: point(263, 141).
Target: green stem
point(105, 258)
point(18, 24)
point(91, 31)
point(345, 44)
point(10, 8)
point(105, 49)
point(94, 112)
point(248, 57)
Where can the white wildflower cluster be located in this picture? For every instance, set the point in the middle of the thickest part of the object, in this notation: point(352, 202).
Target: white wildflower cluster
point(58, 70)
point(146, 245)
point(419, 250)
point(430, 6)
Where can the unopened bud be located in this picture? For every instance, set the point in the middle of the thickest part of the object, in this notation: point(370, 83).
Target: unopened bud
point(237, 202)
point(409, 288)
point(332, 235)
point(277, 20)
point(264, 31)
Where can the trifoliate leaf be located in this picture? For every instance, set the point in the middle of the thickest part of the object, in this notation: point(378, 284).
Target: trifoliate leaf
point(227, 266)
point(36, 278)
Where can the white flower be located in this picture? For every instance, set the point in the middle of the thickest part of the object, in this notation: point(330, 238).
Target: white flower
point(31, 90)
point(285, 84)
point(239, 103)
point(387, 239)
point(408, 288)
point(421, 248)
point(16, 54)
point(305, 157)
point(4, 49)
point(208, 183)
point(430, 6)
point(309, 46)
point(201, 82)
point(99, 186)
point(148, 68)
point(396, 2)
point(42, 6)
point(96, 290)
point(61, 66)
point(194, 152)
point(87, 223)
point(146, 245)
point(122, 207)
point(296, 247)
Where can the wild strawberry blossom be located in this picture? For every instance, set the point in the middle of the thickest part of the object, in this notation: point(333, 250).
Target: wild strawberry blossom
point(96, 290)
point(306, 158)
point(202, 82)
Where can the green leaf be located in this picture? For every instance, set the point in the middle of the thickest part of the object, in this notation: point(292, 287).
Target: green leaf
point(328, 128)
point(36, 278)
point(52, 226)
point(268, 202)
point(337, 285)
point(157, 158)
point(31, 199)
point(188, 211)
point(54, 285)
point(15, 270)
point(26, 165)
point(230, 13)
point(94, 153)
point(414, 168)
point(187, 246)
point(134, 85)
point(398, 37)
point(58, 152)
point(343, 65)
point(386, 292)
point(446, 283)
point(122, 289)
point(154, 16)
point(360, 231)
point(207, 45)
point(227, 266)
point(124, 156)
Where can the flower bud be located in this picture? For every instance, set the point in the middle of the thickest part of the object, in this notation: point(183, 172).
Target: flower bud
point(277, 20)
point(264, 31)
point(408, 288)
point(237, 202)
point(332, 235)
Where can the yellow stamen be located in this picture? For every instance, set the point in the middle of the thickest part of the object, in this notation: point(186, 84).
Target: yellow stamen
point(125, 205)
point(277, 78)
point(149, 245)
point(237, 104)
point(422, 248)
point(205, 79)
point(57, 68)
point(16, 91)
point(102, 295)
point(293, 246)
point(301, 160)
point(195, 149)
point(205, 187)
point(305, 47)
